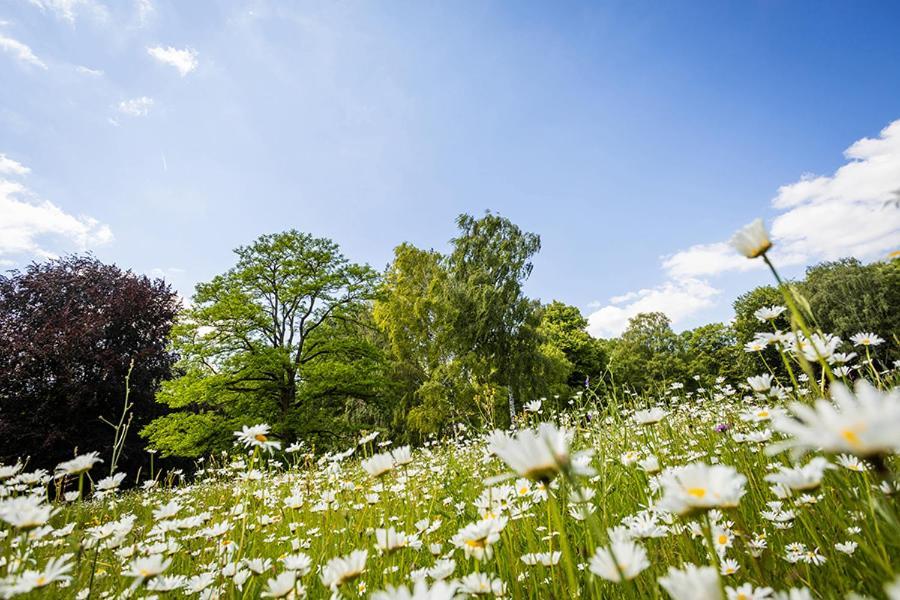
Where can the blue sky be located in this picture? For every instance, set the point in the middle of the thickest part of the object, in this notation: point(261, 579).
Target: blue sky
point(634, 137)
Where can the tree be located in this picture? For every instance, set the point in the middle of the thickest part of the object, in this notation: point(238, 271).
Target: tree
point(565, 328)
point(410, 311)
point(69, 331)
point(848, 297)
point(711, 351)
point(492, 319)
point(648, 355)
point(278, 338)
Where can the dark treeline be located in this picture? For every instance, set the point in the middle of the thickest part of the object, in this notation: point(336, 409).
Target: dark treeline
point(297, 336)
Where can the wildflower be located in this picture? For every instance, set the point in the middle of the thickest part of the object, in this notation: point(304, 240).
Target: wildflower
point(768, 313)
point(700, 486)
point(624, 559)
point(256, 437)
point(649, 416)
point(378, 465)
point(729, 566)
point(478, 584)
point(389, 540)
point(751, 240)
point(146, 567)
point(817, 346)
point(56, 569)
point(534, 406)
point(110, 483)
point(865, 424)
point(866, 339)
point(282, 586)
point(541, 558)
point(7, 471)
point(439, 590)
point(807, 477)
point(78, 465)
point(341, 569)
point(26, 512)
point(748, 592)
point(300, 563)
point(847, 548)
point(794, 594)
point(539, 455)
point(367, 438)
point(402, 456)
point(692, 583)
point(476, 538)
point(851, 463)
point(649, 464)
point(760, 383)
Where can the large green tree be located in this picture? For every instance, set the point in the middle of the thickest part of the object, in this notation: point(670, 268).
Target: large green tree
point(281, 338)
point(648, 355)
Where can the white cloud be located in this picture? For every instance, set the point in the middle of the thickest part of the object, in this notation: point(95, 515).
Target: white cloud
point(68, 10)
point(145, 11)
point(41, 228)
point(88, 71)
point(677, 299)
point(183, 60)
point(9, 166)
point(136, 107)
point(852, 212)
point(20, 51)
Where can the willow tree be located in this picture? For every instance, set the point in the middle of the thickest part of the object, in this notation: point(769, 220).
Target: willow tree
point(265, 340)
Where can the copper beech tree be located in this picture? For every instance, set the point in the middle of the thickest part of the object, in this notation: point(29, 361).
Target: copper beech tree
point(69, 331)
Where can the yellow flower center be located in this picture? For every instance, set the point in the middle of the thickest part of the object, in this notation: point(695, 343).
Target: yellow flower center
point(762, 413)
point(261, 438)
point(41, 581)
point(697, 492)
point(851, 436)
point(723, 539)
point(475, 543)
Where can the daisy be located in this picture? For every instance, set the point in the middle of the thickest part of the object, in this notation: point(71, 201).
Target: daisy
point(478, 584)
point(78, 465)
point(865, 424)
point(866, 339)
point(541, 558)
point(760, 383)
point(476, 538)
point(807, 477)
point(649, 416)
point(341, 569)
point(378, 465)
point(439, 590)
point(768, 313)
point(146, 567)
point(699, 486)
point(256, 437)
point(26, 512)
point(752, 240)
point(282, 586)
point(623, 559)
point(534, 406)
point(692, 583)
point(748, 592)
point(539, 455)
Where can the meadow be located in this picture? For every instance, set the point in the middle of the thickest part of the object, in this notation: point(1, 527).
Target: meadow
point(686, 480)
point(770, 487)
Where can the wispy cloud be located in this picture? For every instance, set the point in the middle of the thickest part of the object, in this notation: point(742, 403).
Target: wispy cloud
point(88, 71)
point(9, 166)
point(184, 60)
point(34, 227)
point(145, 11)
point(69, 10)
point(136, 107)
point(20, 51)
point(848, 213)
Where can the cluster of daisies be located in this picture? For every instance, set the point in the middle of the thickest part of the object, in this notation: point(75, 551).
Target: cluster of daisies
point(736, 490)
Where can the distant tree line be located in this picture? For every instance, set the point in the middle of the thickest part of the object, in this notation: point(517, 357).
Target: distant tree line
point(297, 336)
